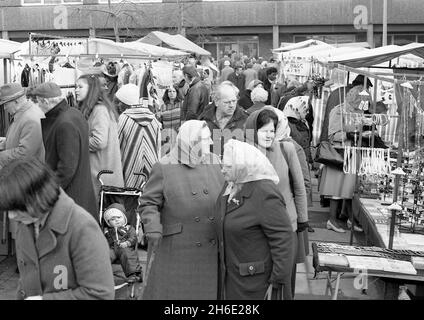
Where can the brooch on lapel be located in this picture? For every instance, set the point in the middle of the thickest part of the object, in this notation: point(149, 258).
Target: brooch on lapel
point(236, 201)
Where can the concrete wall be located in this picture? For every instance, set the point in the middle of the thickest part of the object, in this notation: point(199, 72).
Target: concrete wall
point(206, 14)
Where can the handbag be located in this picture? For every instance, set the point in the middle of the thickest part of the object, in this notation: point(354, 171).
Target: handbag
point(328, 155)
point(276, 295)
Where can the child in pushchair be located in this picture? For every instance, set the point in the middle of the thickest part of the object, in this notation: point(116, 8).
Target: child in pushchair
point(122, 239)
point(128, 231)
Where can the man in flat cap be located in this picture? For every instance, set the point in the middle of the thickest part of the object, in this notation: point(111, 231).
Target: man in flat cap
point(23, 138)
point(197, 96)
point(65, 136)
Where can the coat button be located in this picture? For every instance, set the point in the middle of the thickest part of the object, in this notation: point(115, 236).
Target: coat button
point(198, 244)
point(197, 219)
point(251, 269)
point(205, 191)
point(22, 262)
point(193, 193)
point(213, 242)
point(211, 218)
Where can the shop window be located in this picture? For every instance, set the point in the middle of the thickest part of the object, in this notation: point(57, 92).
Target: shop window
point(420, 38)
point(402, 39)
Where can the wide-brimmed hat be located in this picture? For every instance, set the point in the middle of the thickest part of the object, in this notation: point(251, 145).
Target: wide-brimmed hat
point(10, 92)
point(129, 94)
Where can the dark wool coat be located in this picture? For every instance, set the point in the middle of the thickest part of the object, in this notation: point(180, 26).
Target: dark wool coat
point(256, 242)
point(300, 133)
point(65, 137)
point(178, 201)
point(238, 81)
point(233, 129)
point(69, 261)
point(195, 100)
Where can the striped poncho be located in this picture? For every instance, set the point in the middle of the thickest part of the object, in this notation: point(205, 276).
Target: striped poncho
point(139, 138)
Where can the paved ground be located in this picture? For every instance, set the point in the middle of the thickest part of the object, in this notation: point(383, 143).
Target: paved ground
point(307, 287)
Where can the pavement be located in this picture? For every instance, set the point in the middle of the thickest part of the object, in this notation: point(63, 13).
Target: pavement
point(308, 287)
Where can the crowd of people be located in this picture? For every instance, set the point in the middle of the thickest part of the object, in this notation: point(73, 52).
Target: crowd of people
point(225, 206)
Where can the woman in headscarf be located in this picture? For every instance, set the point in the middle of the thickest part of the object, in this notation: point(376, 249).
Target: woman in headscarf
point(296, 110)
point(178, 212)
point(256, 238)
point(260, 131)
point(335, 184)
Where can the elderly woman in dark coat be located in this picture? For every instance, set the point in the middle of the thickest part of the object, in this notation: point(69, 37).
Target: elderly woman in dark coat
point(61, 251)
point(177, 209)
point(256, 237)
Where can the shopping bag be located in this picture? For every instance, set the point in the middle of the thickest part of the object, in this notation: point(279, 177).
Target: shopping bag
point(276, 295)
point(328, 155)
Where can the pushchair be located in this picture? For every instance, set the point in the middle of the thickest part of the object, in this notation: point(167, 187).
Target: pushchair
point(129, 198)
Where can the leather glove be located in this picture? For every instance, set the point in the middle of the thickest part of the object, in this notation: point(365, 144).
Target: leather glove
point(153, 239)
point(302, 226)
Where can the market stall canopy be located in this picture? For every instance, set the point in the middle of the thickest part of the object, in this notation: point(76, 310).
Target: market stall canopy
point(176, 41)
point(322, 52)
point(7, 48)
point(104, 48)
point(372, 57)
point(301, 45)
point(153, 50)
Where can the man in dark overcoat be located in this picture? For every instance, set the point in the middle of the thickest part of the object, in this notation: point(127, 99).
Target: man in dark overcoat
point(65, 137)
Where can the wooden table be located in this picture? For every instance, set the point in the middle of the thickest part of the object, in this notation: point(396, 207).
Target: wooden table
point(391, 280)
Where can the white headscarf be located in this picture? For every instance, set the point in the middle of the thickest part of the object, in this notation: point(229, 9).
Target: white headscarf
point(188, 146)
point(283, 128)
point(247, 164)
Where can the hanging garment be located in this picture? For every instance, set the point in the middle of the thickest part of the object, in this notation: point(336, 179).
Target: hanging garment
point(25, 76)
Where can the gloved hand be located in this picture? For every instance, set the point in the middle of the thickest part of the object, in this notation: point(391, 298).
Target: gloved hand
point(153, 239)
point(302, 226)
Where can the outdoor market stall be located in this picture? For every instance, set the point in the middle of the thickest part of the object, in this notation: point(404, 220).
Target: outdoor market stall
point(63, 60)
point(393, 218)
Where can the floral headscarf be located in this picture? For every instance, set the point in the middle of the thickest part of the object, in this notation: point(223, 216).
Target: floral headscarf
point(283, 128)
point(188, 146)
point(297, 107)
point(246, 163)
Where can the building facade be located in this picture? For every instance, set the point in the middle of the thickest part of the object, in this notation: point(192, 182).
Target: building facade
point(248, 27)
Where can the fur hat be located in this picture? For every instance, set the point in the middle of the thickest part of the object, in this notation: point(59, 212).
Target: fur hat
point(115, 209)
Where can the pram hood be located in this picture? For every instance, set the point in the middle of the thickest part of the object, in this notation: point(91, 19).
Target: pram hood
point(141, 116)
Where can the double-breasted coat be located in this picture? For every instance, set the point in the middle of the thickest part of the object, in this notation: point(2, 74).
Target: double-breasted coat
point(255, 242)
point(179, 201)
point(69, 260)
point(65, 136)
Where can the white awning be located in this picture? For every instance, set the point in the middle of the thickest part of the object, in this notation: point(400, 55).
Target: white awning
point(372, 57)
point(176, 41)
point(7, 48)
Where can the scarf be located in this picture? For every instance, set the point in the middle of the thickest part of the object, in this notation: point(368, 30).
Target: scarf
point(188, 147)
point(246, 163)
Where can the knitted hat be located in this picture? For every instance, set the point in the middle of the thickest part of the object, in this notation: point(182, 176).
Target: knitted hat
point(129, 94)
point(10, 92)
point(115, 210)
point(47, 90)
